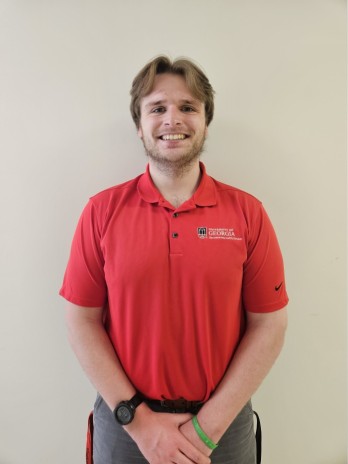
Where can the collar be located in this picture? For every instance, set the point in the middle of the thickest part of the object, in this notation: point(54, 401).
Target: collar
point(205, 195)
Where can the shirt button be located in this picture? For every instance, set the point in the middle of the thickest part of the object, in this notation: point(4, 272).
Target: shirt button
point(175, 215)
point(175, 235)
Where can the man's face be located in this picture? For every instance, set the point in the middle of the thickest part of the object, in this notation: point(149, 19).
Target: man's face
point(172, 124)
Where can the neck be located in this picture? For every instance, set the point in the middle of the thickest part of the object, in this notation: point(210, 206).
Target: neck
point(176, 187)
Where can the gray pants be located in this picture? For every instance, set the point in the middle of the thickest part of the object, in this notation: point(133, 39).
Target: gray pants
point(113, 445)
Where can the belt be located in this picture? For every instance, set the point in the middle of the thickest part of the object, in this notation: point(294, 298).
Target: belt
point(174, 406)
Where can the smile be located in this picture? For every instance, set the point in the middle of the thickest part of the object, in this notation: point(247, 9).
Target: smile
point(173, 137)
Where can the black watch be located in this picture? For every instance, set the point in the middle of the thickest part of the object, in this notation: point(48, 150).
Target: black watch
point(125, 410)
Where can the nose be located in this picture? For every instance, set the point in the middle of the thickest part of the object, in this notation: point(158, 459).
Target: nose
point(173, 116)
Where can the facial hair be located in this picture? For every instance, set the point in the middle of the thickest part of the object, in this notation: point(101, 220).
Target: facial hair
point(177, 165)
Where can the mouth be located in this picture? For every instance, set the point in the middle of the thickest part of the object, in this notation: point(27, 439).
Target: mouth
point(173, 137)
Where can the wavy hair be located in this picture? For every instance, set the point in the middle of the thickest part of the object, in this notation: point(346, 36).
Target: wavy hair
point(196, 81)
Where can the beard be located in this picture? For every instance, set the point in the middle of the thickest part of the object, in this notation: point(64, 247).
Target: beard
point(175, 164)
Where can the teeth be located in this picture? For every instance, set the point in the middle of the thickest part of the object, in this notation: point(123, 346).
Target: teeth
point(174, 137)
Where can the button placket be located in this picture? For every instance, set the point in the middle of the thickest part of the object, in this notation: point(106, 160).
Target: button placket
point(175, 247)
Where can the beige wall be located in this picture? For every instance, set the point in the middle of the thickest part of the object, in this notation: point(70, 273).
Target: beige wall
point(278, 68)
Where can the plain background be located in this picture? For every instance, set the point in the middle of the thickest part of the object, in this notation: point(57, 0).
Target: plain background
point(279, 132)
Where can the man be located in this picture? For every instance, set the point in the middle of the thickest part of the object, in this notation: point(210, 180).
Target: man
point(175, 290)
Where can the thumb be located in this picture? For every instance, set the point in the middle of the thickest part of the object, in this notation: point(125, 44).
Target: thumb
point(183, 418)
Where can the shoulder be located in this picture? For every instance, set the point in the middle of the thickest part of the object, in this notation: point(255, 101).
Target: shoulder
point(113, 197)
point(106, 203)
point(115, 192)
point(236, 195)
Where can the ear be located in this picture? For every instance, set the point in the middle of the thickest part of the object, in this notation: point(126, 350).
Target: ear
point(140, 132)
point(206, 132)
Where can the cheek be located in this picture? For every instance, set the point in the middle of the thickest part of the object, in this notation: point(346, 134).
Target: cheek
point(146, 129)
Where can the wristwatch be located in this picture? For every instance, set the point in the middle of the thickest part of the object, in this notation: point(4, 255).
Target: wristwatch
point(125, 410)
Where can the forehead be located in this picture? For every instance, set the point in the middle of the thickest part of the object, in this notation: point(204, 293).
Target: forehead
point(169, 87)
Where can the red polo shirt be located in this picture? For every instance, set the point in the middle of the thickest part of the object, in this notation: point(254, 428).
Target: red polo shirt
point(176, 281)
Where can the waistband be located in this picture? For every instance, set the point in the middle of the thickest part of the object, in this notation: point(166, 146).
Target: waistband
point(174, 406)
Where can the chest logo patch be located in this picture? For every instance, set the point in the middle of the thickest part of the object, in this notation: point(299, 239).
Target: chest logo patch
point(217, 233)
point(202, 232)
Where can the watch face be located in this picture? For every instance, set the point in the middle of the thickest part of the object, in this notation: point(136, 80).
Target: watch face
point(124, 414)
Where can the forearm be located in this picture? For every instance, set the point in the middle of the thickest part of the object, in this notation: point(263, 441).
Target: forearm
point(157, 435)
point(97, 356)
point(257, 352)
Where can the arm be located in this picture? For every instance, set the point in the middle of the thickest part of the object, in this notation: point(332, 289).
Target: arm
point(257, 351)
point(96, 354)
point(157, 435)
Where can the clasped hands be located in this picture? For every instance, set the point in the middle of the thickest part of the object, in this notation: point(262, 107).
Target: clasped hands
point(165, 438)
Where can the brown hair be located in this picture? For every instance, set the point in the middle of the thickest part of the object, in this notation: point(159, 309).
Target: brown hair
point(196, 81)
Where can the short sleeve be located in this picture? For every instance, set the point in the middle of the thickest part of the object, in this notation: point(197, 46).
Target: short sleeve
point(263, 278)
point(84, 280)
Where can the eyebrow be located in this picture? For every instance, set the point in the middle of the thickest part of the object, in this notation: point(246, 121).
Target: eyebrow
point(161, 102)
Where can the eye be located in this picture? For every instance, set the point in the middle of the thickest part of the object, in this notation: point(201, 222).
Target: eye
point(158, 109)
point(187, 109)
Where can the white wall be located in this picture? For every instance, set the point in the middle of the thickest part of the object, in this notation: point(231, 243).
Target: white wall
point(278, 68)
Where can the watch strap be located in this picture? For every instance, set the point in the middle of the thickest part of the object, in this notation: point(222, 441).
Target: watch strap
point(136, 400)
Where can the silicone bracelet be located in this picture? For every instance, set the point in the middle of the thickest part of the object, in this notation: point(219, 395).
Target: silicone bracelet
point(205, 439)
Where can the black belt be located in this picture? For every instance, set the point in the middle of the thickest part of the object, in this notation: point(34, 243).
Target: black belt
point(174, 406)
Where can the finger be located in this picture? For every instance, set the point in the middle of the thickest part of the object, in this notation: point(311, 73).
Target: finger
point(192, 453)
point(182, 458)
point(182, 418)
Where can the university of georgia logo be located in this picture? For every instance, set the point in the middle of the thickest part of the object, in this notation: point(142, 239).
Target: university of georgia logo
point(218, 233)
point(202, 232)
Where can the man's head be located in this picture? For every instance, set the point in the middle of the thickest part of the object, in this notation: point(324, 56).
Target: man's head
point(195, 79)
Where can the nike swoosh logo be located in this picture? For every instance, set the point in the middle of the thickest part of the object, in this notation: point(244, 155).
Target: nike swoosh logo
point(276, 288)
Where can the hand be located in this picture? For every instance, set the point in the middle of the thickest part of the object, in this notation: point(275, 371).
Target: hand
point(188, 430)
point(160, 440)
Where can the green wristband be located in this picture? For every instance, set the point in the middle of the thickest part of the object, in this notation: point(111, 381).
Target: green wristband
point(205, 439)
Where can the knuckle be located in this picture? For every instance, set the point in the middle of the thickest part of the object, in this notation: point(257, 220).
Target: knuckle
point(203, 459)
point(172, 454)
